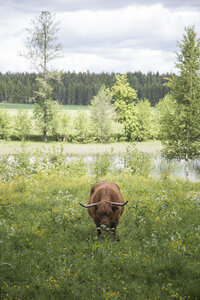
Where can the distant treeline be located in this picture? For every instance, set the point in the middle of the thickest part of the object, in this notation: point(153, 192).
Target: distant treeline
point(80, 88)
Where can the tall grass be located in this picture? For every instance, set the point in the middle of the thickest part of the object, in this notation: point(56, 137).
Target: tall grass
point(49, 247)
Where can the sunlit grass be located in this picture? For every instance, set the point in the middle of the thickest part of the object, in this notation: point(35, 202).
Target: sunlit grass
point(16, 106)
point(13, 108)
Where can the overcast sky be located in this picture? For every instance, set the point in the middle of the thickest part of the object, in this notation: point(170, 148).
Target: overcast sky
point(101, 35)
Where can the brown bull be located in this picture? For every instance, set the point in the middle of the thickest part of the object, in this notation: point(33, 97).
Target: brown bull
point(105, 206)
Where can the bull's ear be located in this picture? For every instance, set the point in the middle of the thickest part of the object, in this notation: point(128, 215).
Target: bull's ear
point(114, 208)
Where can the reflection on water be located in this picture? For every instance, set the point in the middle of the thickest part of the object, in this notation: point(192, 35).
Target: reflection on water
point(159, 166)
point(175, 168)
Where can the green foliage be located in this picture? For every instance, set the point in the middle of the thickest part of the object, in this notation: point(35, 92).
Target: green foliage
point(5, 124)
point(49, 248)
point(102, 114)
point(22, 125)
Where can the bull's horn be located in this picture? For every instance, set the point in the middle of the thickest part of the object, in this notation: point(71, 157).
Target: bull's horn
point(119, 204)
point(89, 205)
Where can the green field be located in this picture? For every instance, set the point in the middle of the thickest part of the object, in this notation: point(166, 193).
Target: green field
point(13, 108)
point(17, 106)
point(49, 247)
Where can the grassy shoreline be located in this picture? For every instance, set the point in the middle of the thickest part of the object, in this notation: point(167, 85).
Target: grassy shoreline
point(11, 147)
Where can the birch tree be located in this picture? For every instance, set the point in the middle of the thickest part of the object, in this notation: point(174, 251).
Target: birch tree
point(41, 48)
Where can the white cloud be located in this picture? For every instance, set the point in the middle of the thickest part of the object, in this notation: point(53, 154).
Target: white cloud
point(131, 38)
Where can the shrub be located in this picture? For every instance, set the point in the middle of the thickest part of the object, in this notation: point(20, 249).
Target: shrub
point(5, 124)
point(22, 125)
point(101, 165)
point(137, 162)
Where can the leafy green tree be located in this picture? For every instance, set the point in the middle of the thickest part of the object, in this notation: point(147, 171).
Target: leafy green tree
point(41, 48)
point(181, 126)
point(22, 124)
point(124, 97)
point(102, 114)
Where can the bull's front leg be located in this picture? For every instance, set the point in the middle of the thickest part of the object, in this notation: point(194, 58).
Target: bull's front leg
point(113, 230)
point(98, 232)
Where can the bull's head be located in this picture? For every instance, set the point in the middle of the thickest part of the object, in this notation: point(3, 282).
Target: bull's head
point(105, 213)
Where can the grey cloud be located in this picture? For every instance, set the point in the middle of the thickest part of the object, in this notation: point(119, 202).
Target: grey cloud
point(74, 44)
point(74, 5)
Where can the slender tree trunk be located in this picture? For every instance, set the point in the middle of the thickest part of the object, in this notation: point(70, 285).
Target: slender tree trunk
point(187, 168)
point(45, 122)
point(45, 135)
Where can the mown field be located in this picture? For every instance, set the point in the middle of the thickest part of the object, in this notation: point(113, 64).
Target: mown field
point(49, 248)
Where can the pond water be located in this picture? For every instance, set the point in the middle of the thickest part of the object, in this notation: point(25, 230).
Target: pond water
point(159, 167)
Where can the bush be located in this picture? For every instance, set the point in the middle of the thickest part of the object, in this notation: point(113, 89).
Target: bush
point(137, 162)
point(62, 129)
point(101, 165)
point(82, 127)
point(5, 124)
point(22, 125)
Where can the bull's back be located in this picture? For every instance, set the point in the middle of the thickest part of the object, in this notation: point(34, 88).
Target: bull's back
point(103, 190)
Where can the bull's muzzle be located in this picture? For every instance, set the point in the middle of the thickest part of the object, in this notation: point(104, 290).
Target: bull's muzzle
point(105, 227)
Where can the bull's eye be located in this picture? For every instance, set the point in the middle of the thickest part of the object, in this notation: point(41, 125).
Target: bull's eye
point(114, 208)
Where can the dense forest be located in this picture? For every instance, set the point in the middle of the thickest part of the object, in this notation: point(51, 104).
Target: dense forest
point(80, 88)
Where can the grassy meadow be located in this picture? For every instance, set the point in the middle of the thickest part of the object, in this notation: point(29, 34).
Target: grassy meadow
point(48, 243)
point(49, 248)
